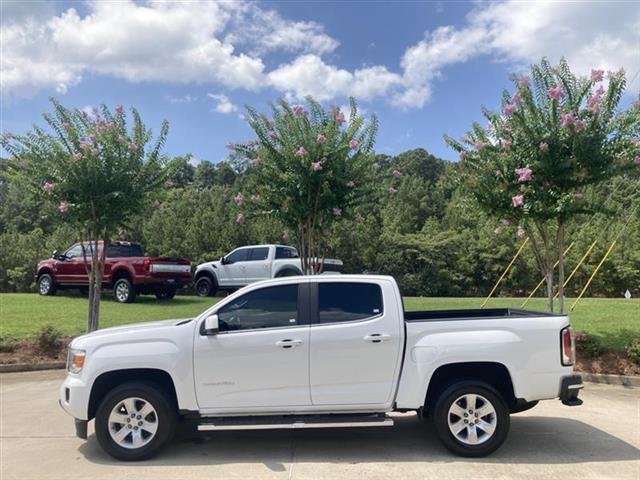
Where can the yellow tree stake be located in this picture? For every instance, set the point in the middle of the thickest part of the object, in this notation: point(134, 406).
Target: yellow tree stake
point(584, 257)
point(533, 292)
point(526, 240)
point(613, 244)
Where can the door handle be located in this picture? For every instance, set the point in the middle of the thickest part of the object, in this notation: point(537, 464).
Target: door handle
point(288, 343)
point(377, 337)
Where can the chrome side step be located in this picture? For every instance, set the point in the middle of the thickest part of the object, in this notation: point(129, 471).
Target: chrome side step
point(292, 422)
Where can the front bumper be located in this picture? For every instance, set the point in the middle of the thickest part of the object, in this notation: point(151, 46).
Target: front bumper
point(74, 397)
point(569, 389)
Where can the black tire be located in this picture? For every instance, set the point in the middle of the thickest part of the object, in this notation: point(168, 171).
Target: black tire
point(46, 285)
point(123, 291)
point(457, 445)
point(205, 287)
point(288, 272)
point(166, 293)
point(166, 417)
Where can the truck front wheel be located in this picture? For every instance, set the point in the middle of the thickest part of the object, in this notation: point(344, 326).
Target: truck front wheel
point(471, 419)
point(46, 286)
point(205, 287)
point(135, 421)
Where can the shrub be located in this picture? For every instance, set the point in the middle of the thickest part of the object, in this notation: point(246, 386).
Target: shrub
point(588, 346)
point(633, 350)
point(49, 340)
point(8, 344)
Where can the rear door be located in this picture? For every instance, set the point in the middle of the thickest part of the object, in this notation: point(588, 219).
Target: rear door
point(356, 343)
point(257, 265)
point(260, 358)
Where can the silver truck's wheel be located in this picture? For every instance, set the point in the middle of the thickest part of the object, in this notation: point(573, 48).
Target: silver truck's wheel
point(472, 419)
point(135, 420)
point(133, 423)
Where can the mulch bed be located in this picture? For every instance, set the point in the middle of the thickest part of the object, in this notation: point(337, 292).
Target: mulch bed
point(27, 352)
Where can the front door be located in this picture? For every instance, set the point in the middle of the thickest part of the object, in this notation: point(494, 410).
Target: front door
point(71, 270)
point(232, 272)
point(355, 344)
point(260, 358)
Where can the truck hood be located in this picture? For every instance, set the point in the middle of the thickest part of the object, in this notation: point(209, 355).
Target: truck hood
point(134, 331)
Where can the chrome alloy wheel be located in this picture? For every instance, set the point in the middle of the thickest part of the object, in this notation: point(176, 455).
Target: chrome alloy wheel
point(472, 419)
point(45, 285)
point(133, 423)
point(122, 292)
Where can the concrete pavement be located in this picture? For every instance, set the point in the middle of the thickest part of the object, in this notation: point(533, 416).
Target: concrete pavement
point(600, 439)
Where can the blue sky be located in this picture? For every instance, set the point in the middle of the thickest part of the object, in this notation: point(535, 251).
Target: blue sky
point(425, 68)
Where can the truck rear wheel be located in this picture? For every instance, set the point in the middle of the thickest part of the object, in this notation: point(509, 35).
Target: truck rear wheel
point(124, 291)
point(46, 285)
point(165, 293)
point(135, 421)
point(471, 419)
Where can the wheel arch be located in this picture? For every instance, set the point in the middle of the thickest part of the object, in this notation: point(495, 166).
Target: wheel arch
point(282, 271)
point(206, 272)
point(42, 270)
point(119, 272)
point(107, 381)
point(494, 374)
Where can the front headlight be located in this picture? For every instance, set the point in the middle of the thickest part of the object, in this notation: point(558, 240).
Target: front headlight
point(75, 360)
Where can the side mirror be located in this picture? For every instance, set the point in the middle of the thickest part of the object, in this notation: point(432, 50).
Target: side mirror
point(211, 325)
point(55, 255)
point(224, 261)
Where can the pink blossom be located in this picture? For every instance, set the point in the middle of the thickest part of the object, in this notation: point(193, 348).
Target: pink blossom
point(239, 199)
point(93, 137)
point(580, 125)
point(231, 145)
point(84, 146)
point(393, 190)
point(479, 145)
point(240, 219)
point(255, 197)
point(637, 160)
point(636, 103)
point(353, 144)
point(351, 184)
point(316, 166)
point(285, 236)
point(133, 147)
point(339, 116)
point(251, 143)
point(119, 109)
point(544, 147)
point(524, 174)
point(94, 151)
point(578, 195)
point(298, 110)
point(63, 207)
point(397, 173)
point(509, 108)
point(66, 126)
point(555, 93)
point(597, 75)
point(301, 152)
point(462, 155)
point(600, 90)
point(506, 143)
point(517, 200)
point(47, 187)
point(505, 222)
point(523, 82)
point(337, 211)
point(566, 120)
point(272, 135)
point(256, 162)
point(634, 140)
point(321, 138)
point(77, 156)
point(520, 233)
point(516, 100)
point(593, 103)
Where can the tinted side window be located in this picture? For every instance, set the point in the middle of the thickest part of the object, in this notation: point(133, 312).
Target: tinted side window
point(238, 255)
point(259, 253)
point(265, 308)
point(285, 252)
point(74, 252)
point(345, 302)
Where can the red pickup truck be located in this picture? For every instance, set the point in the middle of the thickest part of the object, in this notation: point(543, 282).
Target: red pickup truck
point(127, 270)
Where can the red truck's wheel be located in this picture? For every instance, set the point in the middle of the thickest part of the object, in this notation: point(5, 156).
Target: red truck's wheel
point(124, 291)
point(46, 285)
point(165, 293)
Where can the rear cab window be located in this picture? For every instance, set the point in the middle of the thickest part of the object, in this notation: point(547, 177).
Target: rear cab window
point(286, 252)
point(348, 301)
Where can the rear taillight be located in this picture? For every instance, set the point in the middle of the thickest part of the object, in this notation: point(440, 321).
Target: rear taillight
point(567, 347)
point(147, 264)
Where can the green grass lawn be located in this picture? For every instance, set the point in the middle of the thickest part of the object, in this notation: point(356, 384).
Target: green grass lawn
point(21, 315)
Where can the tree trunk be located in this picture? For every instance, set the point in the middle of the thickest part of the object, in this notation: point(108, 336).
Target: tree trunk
point(550, 287)
point(560, 247)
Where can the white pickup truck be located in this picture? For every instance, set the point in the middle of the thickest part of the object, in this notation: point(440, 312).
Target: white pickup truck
point(318, 351)
point(252, 263)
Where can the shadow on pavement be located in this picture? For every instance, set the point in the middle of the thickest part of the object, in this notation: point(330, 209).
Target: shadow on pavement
point(532, 440)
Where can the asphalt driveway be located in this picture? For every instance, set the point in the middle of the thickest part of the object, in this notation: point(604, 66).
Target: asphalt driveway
point(601, 439)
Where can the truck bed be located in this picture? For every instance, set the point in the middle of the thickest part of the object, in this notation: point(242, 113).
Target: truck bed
point(470, 314)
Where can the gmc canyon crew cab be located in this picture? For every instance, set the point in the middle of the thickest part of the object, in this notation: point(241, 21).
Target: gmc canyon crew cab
point(318, 351)
point(252, 263)
point(127, 270)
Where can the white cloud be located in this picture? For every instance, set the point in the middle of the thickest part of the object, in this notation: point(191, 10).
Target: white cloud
point(223, 104)
point(183, 99)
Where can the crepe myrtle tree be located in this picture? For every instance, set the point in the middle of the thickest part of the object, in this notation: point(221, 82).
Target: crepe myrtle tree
point(556, 135)
point(311, 167)
point(97, 169)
